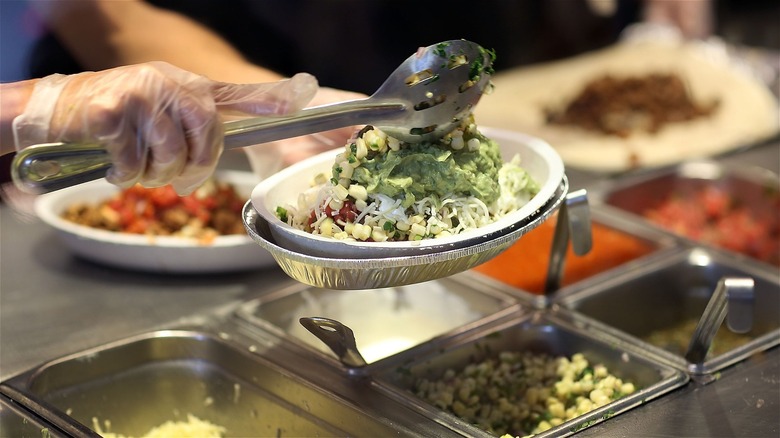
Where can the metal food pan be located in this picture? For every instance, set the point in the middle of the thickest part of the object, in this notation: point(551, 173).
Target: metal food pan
point(385, 321)
point(16, 422)
point(618, 242)
point(755, 189)
point(671, 293)
point(541, 332)
point(142, 382)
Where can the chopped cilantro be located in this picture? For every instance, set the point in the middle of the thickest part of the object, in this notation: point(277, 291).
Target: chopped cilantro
point(491, 60)
point(441, 49)
point(479, 66)
point(475, 69)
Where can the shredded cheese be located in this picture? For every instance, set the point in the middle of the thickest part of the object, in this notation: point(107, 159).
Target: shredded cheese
point(194, 427)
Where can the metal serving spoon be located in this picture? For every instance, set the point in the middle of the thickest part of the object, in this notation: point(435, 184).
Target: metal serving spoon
point(425, 98)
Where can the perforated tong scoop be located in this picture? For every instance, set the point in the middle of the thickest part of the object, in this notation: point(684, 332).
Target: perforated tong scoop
point(425, 98)
point(338, 337)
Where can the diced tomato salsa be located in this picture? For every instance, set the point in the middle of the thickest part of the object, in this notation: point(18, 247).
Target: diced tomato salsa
point(713, 216)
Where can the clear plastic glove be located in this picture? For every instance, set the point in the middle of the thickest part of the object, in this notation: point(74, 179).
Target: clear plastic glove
point(269, 158)
point(160, 124)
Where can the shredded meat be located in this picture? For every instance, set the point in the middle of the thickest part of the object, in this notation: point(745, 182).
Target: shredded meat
point(621, 106)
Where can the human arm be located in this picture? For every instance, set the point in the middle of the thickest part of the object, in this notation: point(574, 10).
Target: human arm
point(132, 31)
point(13, 98)
point(105, 34)
point(160, 124)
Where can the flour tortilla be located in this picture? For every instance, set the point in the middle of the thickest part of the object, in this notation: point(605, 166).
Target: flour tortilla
point(748, 112)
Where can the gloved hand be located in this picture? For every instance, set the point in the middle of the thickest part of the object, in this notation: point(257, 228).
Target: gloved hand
point(268, 158)
point(160, 124)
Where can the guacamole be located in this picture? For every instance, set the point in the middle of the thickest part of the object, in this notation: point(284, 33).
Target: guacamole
point(383, 189)
point(434, 169)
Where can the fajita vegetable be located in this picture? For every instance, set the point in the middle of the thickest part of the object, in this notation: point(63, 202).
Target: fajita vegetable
point(212, 210)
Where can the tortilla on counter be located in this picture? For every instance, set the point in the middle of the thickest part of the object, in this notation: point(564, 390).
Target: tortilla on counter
point(747, 112)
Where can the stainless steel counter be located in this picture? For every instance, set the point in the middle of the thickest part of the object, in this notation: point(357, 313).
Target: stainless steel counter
point(52, 304)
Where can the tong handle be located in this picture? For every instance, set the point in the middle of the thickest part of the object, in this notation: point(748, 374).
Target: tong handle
point(47, 167)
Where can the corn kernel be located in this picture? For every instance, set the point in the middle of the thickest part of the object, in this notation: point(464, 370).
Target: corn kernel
point(320, 178)
point(378, 234)
point(326, 227)
point(362, 149)
point(340, 192)
point(346, 169)
point(393, 143)
point(358, 192)
point(457, 143)
point(418, 229)
point(341, 235)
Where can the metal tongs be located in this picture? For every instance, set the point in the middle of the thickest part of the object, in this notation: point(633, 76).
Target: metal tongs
point(425, 98)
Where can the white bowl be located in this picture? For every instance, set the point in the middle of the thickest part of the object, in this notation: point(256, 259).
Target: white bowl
point(161, 254)
point(537, 157)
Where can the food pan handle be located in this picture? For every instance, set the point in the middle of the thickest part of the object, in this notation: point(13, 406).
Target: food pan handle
point(733, 295)
point(338, 337)
point(573, 226)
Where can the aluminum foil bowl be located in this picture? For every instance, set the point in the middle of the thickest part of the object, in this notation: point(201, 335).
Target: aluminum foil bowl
point(537, 157)
point(370, 273)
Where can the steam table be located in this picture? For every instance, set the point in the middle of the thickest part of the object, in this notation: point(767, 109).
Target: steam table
point(52, 304)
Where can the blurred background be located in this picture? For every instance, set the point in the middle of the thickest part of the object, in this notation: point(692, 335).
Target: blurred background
point(741, 22)
point(18, 31)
